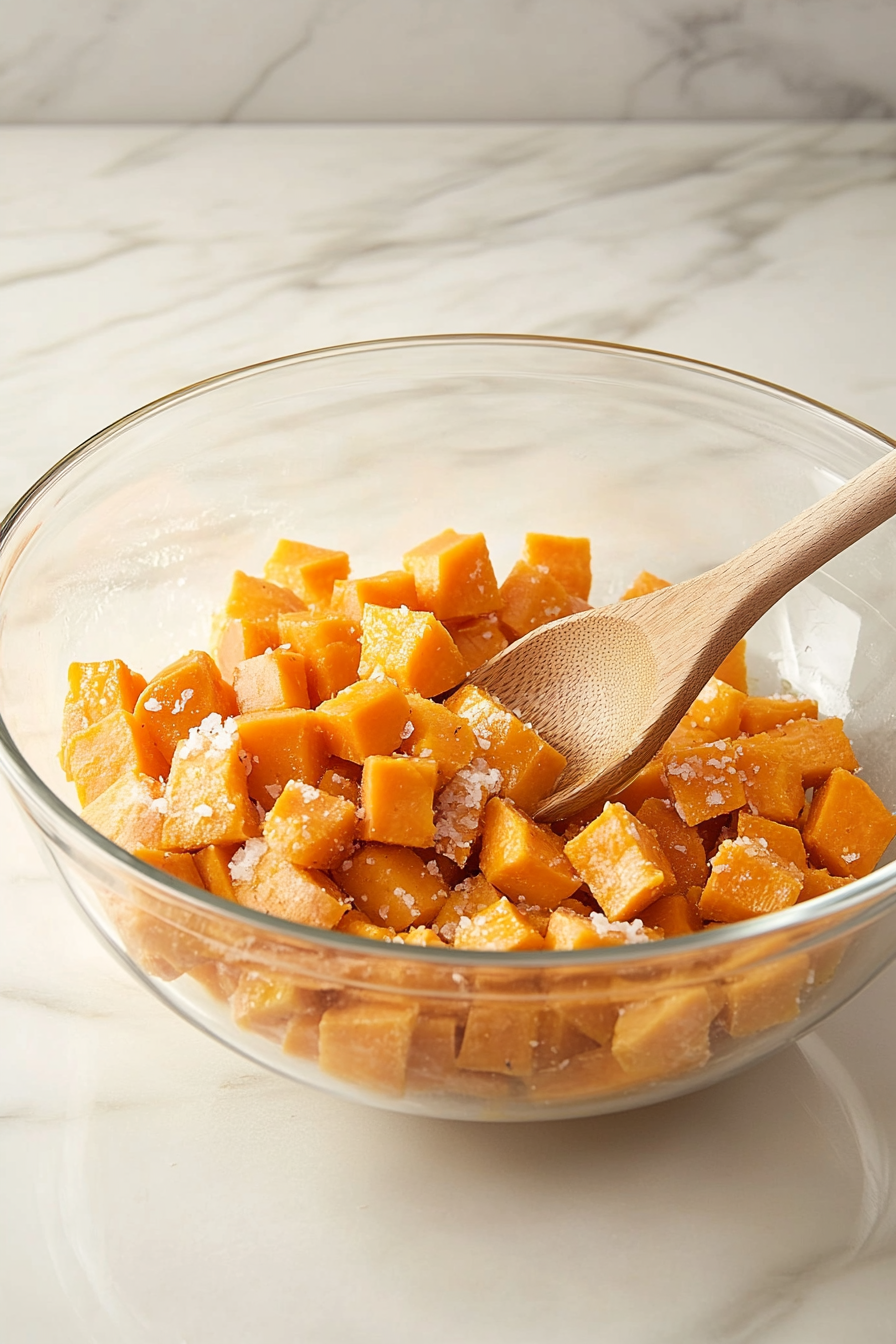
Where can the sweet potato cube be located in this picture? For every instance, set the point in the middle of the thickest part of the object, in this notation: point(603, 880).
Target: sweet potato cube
point(310, 571)
point(569, 931)
point(498, 928)
point(241, 639)
point(280, 745)
point(649, 782)
point(772, 779)
point(421, 937)
point(759, 713)
point(94, 690)
point(453, 575)
point(367, 1044)
point(704, 781)
point(644, 583)
point(179, 697)
point(595, 1019)
point(208, 802)
point(681, 844)
point(436, 733)
point(848, 827)
point(392, 886)
point(264, 880)
point(265, 1001)
point(353, 921)
point(342, 779)
point(274, 680)
point(818, 745)
point(216, 978)
point(433, 1053)
point(747, 880)
point(733, 667)
point(412, 648)
point(255, 599)
point(114, 746)
point(525, 860)
point(478, 638)
point(174, 864)
point(394, 588)
point(531, 597)
point(658, 1038)
point(213, 864)
point(717, 709)
point(330, 648)
point(622, 862)
point(765, 996)
point(500, 1038)
point(366, 719)
point(468, 898)
point(818, 882)
point(310, 828)
point(785, 841)
point(529, 766)
point(674, 914)
point(460, 809)
point(129, 812)
point(397, 795)
point(566, 559)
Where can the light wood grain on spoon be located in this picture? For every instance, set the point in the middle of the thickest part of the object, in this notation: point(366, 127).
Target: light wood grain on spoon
point(606, 687)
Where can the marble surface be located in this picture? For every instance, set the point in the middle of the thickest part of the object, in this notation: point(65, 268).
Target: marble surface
point(154, 1187)
point(406, 60)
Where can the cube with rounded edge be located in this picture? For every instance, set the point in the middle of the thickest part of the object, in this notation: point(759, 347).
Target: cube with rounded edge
point(179, 697)
point(453, 575)
point(280, 745)
point(255, 599)
point(772, 779)
point(468, 898)
point(213, 863)
point(207, 799)
point(115, 745)
point(273, 680)
point(642, 584)
point(366, 719)
point(240, 639)
point(733, 667)
point(818, 745)
point(265, 880)
point(175, 864)
point(412, 648)
point(524, 860)
point(397, 795)
point(765, 996)
point(717, 709)
point(570, 931)
point(566, 559)
point(94, 690)
point(783, 840)
point(674, 914)
point(622, 862)
point(747, 880)
point(330, 648)
point(435, 733)
point(530, 598)
point(759, 713)
point(392, 886)
point(649, 782)
point(661, 1037)
point(367, 1044)
point(309, 571)
point(529, 766)
point(818, 882)
point(478, 638)
point(310, 828)
point(129, 812)
point(342, 779)
point(848, 827)
point(681, 844)
point(394, 588)
point(500, 1038)
point(704, 781)
point(497, 928)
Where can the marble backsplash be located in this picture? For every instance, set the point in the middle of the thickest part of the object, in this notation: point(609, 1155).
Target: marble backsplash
point(441, 60)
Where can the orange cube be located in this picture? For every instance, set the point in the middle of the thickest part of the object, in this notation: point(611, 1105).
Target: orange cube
point(717, 709)
point(310, 828)
point(256, 599)
point(848, 827)
point(818, 882)
point(661, 1037)
point(460, 809)
point(213, 864)
point(772, 779)
point(343, 780)
point(468, 898)
point(453, 575)
point(179, 697)
point(264, 880)
point(435, 733)
point(570, 931)
point(649, 782)
point(274, 680)
point(524, 860)
point(353, 921)
point(818, 745)
point(265, 1001)
point(129, 812)
point(94, 690)
point(395, 588)
point(622, 862)
point(681, 844)
point(733, 667)
point(208, 802)
point(643, 584)
point(114, 746)
point(532, 597)
point(497, 928)
point(765, 996)
point(309, 571)
point(704, 781)
point(368, 1044)
point(759, 713)
point(747, 880)
point(566, 559)
point(280, 745)
point(529, 766)
point(674, 914)
point(240, 639)
point(392, 886)
point(180, 866)
point(785, 841)
point(431, 1061)
point(330, 648)
point(500, 1038)
point(366, 719)
point(478, 638)
point(412, 648)
point(397, 800)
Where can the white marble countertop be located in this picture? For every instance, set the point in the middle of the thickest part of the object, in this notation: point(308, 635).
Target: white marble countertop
point(154, 1187)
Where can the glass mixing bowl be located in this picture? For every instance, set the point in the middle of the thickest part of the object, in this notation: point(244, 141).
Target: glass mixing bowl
point(127, 546)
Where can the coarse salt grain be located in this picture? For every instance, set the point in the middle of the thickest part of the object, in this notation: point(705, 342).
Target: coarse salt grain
point(152, 704)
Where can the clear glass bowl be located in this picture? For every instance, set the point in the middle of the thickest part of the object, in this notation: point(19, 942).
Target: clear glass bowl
point(125, 548)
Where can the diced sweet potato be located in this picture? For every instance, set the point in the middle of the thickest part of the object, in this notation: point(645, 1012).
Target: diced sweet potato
point(818, 745)
point(397, 794)
point(747, 880)
point(649, 782)
point(213, 864)
point(772, 779)
point(368, 1044)
point(784, 840)
point(498, 928)
point(570, 931)
point(394, 588)
point(435, 733)
point(468, 898)
point(642, 584)
point(622, 862)
point(674, 914)
point(733, 667)
point(704, 781)
point(342, 779)
point(240, 639)
point(433, 1053)
point(717, 709)
point(453, 575)
point(658, 1038)
point(498, 1038)
point(265, 1001)
point(174, 864)
point(848, 827)
point(524, 860)
point(460, 809)
point(392, 886)
point(114, 746)
point(412, 648)
point(255, 599)
point(366, 719)
point(264, 880)
point(529, 766)
point(280, 745)
point(274, 680)
point(330, 648)
point(566, 559)
point(765, 996)
point(759, 713)
point(179, 697)
point(309, 571)
point(310, 828)
point(818, 882)
point(354, 921)
point(681, 844)
point(478, 638)
point(129, 812)
point(530, 598)
point(94, 690)
point(207, 799)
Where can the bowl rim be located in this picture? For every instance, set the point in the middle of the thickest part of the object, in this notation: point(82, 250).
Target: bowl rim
point(862, 893)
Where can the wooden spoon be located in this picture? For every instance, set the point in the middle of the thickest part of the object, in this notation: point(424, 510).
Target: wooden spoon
point(606, 687)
